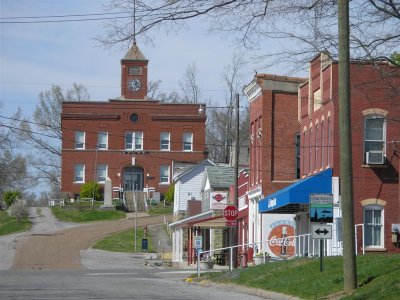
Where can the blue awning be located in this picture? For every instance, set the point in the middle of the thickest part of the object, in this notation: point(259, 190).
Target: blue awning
point(289, 199)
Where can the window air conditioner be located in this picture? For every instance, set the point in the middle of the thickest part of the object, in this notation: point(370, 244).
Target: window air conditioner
point(375, 158)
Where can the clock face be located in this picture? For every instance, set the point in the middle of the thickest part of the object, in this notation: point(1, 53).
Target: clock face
point(134, 84)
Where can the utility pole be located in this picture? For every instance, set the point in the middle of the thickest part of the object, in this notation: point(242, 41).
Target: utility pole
point(346, 170)
point(236, 193)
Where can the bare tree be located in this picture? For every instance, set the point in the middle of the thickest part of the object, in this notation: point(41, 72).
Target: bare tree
point(190, 86)
point(221, 123)
point(310, 24)
point(44, 133)
point(13, 166)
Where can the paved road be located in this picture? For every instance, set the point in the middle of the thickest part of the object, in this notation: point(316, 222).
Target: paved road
point(54, 261)
point(60, 249)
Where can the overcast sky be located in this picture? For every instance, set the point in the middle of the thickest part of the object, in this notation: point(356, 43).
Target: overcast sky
point(34, 56)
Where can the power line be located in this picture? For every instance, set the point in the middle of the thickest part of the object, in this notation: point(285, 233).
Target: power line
point(63, 21)
point(64, 16)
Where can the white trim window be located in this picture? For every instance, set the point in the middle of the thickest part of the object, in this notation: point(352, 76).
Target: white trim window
point(79, 173)
point(102, 140)
point(164, 174)
point(134, 140)
point(187, 141)
point(79, 140)
point(101, 173)
point(373, 226)
point(374, 139)
point(164, 141)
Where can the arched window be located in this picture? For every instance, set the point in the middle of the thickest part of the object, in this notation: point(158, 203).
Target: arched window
point(316, 146)
point(322, 144)
point(310, 156)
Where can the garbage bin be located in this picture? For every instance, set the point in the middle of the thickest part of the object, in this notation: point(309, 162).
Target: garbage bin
point(145, 245)
point(243, 260)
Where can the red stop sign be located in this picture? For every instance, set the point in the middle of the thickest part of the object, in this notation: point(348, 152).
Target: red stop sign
point(231, 213)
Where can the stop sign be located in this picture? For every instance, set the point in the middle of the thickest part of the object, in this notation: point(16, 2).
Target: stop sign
point(231, 213)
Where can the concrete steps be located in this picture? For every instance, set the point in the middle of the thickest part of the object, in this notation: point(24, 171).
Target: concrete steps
point(130, 198)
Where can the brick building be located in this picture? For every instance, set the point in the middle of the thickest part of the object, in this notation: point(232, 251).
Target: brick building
point(375, 137)
point(132, 139)
point(274, 144)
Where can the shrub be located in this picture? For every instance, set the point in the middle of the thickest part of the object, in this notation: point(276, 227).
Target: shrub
point(169, 195)
point(18, 210)
point(90, 188)
point(11, 196)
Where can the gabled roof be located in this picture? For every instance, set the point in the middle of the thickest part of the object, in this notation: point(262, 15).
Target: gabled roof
point(134, 54)
point(181, 169)
point(220, 177)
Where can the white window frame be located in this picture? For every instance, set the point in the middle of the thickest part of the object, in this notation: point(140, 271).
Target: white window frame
point(102, 144)
point(80, 140)
point(136, 140)
point(79, 173)
point(165, 141)
point(101, 173)
point(382, 141)
point(185, 141)
point(374, 208)
point(164, 174)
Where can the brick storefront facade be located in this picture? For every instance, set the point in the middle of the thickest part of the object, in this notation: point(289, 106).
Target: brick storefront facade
point(374, 103)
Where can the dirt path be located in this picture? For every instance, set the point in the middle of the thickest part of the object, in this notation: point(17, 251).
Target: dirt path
point(61, 249)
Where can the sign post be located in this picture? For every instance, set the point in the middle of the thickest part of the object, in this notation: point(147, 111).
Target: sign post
point(321, 211)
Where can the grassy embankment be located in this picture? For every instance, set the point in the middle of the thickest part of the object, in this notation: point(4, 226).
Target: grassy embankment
point(9, 224)
point(160, 209)
point(77, 213)
point(124, 241)
point(378, 277)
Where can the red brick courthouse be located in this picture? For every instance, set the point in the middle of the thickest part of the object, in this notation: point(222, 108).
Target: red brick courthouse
point(132, 139)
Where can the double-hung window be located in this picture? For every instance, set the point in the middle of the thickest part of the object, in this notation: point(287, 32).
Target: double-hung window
point(79, 173)
point(373, 222)
point(101, 173)
point(102, 140)
point(164, 174)
point(79, 140)
point(134, 140)
point(187, 141)
point(374, 139)
point(164, 141)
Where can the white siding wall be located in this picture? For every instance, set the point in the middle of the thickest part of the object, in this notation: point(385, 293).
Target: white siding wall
point(190, 186)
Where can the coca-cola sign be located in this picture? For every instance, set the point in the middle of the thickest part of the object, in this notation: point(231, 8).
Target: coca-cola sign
point(281, 241)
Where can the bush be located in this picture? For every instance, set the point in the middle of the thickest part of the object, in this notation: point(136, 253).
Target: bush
point(169, 195)
point(11, 196)
point(18, 210)
point(90, 188)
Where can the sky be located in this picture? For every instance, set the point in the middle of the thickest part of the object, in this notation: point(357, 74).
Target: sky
point(35, 56)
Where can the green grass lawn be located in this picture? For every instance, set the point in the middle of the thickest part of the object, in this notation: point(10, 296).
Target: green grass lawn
point(9, 224)
point(160, 209)
point(85, 214)
point(124, 241)
point(378, 277)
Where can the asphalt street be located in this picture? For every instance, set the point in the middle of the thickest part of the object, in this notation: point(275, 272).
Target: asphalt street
point(54, 261)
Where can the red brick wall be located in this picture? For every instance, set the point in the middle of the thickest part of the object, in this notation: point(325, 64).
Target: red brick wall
point(113, 117)
point(369, 89)
point(273, 155)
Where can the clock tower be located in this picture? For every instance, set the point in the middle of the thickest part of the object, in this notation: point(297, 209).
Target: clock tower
point(134, 74)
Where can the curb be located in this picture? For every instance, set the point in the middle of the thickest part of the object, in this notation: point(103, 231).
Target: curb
point(242, 289)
